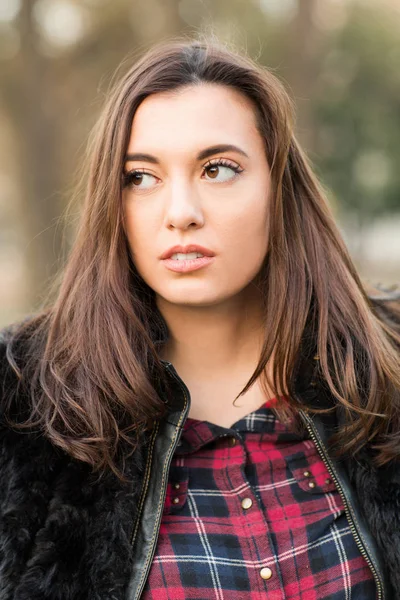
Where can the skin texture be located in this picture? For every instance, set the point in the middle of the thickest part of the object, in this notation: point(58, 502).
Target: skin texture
point(213, 314)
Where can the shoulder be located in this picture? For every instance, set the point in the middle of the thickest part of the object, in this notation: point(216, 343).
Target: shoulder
point(8, 375)
point(386, 305)
point(17, 443)
point(14, 352)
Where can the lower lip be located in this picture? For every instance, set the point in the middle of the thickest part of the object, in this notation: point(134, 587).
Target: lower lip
point(185, 266)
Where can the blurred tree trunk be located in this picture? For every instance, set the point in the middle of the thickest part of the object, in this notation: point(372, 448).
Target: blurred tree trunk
point(303, 62)
point(32, 107)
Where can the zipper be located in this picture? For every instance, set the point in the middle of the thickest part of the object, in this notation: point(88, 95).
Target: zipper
point(326, 460)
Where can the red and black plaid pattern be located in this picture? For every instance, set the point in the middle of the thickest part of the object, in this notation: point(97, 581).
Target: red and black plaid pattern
point(251, 510)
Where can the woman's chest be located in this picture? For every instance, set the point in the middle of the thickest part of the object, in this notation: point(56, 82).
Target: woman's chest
point(257, 513)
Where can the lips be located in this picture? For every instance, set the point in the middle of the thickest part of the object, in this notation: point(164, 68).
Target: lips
point(186, 250)
point(189, 265)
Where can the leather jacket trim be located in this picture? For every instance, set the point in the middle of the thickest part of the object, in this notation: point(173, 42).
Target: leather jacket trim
point(145, 483)
point(149, 522)
point(322, 431)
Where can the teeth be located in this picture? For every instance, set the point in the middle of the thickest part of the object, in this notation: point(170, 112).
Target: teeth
point(190, 255)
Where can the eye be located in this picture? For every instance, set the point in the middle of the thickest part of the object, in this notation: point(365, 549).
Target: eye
point(138, 179)
point(221, 170)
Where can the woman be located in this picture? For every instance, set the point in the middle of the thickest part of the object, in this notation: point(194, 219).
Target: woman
point(207, 269)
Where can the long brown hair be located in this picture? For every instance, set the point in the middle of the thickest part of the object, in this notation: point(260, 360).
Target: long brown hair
point(91, 368)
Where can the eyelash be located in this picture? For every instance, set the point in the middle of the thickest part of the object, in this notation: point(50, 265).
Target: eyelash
point(129, 177)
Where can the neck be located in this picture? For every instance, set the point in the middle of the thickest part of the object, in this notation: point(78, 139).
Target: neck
point(218, 339)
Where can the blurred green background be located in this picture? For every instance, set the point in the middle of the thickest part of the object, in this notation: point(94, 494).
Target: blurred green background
point(339, 59)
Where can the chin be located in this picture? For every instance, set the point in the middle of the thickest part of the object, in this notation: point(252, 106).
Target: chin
point(198, 297)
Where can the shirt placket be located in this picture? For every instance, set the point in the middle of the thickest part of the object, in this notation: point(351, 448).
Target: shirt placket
point(262, 564)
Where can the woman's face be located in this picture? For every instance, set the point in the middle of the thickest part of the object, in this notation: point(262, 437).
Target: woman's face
point(199, 175)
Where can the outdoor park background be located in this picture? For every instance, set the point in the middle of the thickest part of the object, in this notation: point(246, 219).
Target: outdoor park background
point(340, 60)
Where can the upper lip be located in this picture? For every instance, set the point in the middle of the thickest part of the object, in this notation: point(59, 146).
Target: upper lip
point(186, 249)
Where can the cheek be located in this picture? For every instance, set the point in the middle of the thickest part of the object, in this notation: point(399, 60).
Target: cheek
point(248, 235)
point(140, 235)
point(140, 223)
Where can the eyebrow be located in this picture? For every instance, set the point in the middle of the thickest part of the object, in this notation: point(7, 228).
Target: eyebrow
point(201, 155)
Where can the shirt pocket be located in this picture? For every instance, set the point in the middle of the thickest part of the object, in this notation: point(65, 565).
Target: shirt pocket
point(310, 473)
point(177, 487)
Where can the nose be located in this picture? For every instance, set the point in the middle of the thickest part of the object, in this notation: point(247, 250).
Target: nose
point(183, 207)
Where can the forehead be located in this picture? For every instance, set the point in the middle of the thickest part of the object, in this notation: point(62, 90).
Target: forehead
point(198, 114)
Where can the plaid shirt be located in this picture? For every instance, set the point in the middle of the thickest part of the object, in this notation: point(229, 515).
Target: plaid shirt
point(252, 510)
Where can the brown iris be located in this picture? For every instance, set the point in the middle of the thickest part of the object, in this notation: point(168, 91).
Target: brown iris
point(137, 178)
point(213, 171)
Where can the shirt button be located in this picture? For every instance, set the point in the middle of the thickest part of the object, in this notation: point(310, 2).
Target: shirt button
point(307, 474)
point(311, 484)
point(232, 441)
point(247, 502)
point(177, 486)
point(175, 500)
point(266, 573)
